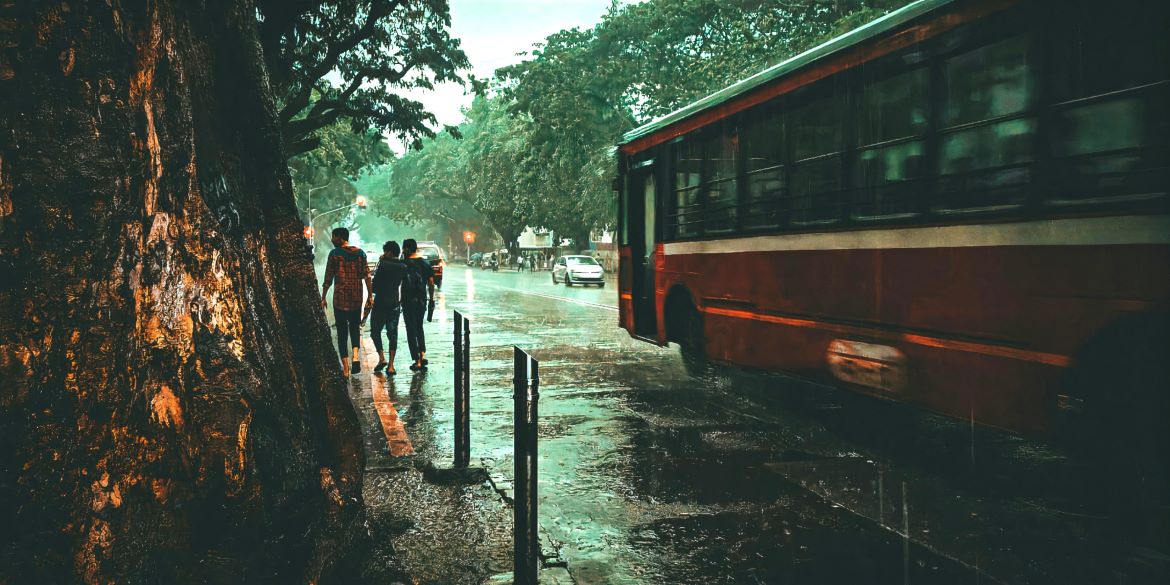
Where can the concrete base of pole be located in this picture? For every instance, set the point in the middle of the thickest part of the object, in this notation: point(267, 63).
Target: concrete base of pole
point(548, 576)
point(453, 475)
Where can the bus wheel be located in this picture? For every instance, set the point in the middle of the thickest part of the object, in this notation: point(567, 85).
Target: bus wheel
point(690, 342)
point(1121, 376)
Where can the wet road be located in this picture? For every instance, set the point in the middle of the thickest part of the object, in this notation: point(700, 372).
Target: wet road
point(650, 476)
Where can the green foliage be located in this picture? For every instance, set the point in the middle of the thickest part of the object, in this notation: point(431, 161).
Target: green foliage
point(328, 169)
point(465, 183)
point(537, 150)
point(341, 61)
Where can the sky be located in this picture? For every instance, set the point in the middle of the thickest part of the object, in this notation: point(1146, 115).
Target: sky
point(493, 32)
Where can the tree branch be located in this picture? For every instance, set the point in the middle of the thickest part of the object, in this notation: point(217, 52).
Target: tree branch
point(328, 110)
point(303, 94)
point(303, 146)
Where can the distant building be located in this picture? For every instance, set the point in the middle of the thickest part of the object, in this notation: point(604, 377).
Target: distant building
point(603, 248)
point(533, 239)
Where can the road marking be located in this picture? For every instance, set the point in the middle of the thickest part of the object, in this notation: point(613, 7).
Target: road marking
point(396, 437)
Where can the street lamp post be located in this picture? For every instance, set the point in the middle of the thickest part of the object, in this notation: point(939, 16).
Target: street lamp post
point(309, 198)
point(469, 238)
point(360, 202)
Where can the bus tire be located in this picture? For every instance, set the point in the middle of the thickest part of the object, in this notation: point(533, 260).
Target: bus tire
point(691, 342)
point(1122, 378)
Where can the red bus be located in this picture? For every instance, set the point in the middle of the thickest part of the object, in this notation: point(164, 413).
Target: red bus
point(961, 205)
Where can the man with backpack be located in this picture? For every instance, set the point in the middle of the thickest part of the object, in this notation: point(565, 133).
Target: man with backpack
point(348, 269)
point(388, 278)
point(418, 288)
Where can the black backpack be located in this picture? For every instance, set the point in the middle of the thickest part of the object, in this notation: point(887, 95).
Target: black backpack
point(414, 284)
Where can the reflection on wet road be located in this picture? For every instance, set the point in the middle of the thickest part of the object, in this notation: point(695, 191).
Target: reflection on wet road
point(650, 476)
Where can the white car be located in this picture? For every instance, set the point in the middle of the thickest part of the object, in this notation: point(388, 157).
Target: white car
point(578, 270)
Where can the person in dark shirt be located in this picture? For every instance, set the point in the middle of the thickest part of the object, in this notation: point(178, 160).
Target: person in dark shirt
point(387, 304)
point(418, 287)
point(347, 267)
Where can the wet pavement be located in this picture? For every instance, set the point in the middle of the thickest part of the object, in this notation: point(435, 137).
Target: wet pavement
point(648, 475)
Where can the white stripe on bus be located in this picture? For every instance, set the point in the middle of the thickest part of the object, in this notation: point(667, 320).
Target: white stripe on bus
point(1093, 231)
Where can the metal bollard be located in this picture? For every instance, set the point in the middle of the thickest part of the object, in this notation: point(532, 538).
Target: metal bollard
point(462, 379)
point(465, 420)
point(525, 536)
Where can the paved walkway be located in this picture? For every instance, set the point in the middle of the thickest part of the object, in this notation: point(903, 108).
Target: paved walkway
point(442, 529)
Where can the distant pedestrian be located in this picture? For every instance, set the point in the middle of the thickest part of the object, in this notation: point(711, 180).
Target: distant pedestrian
point(387, 305)
point(418, 288)
point(347, 268)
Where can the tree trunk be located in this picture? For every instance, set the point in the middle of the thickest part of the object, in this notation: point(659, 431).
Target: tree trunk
point(171, 409)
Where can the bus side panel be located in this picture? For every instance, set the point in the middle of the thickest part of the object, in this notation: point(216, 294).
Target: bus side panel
point(986, 331)
point(660, 288)
point(625, 293)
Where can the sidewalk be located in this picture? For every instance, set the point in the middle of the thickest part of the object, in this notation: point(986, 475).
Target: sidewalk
point(442, 529)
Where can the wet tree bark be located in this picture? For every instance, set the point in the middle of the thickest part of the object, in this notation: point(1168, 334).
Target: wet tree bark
point(171, 408)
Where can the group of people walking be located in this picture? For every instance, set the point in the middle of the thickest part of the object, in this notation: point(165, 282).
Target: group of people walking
point(402, 286)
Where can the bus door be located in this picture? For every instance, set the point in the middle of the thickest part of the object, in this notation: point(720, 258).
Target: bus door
point(643, 225)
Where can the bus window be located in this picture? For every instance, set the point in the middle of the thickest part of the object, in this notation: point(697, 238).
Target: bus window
point(892, 124)
point(720, 151)
point(1109, 137)
point(816, 134)
point(624, 217)
point(1091, 47)
point(987, 144)
point(688, 166)
point(1107, 150)
point(649, 201)
point(763, 144)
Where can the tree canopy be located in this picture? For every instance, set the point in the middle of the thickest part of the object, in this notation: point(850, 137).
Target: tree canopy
point(323, 177)
point(537, 147)
point(347, 61)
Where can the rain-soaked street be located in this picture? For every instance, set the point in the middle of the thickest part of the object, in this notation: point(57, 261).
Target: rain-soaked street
point(648, 475)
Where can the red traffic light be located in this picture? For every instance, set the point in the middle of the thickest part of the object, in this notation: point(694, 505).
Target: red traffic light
point(469, 237)
point(309, 231)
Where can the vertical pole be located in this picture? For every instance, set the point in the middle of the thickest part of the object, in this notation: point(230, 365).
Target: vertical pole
point(905, 538)
point(533, 544)
point(458, 391)
point(466, 386)
point(520, 466)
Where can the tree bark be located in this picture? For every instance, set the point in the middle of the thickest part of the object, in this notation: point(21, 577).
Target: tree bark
point(171, 408)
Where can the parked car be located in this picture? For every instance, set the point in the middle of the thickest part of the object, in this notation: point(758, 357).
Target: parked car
point(578, 270)
point(433, 254)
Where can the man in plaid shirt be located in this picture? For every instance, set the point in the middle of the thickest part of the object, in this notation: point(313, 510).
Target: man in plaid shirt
point(348, 269)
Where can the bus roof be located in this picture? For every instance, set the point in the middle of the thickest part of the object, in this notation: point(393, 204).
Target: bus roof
point(857, 35)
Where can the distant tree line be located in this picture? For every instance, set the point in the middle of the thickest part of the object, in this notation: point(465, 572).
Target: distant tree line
point(534, 148)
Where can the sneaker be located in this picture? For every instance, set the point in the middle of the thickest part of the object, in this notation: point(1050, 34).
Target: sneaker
point(356, 367)
point(381, 366)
